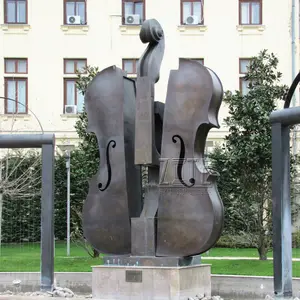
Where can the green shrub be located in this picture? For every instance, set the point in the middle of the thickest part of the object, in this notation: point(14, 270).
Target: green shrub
point(235, 241)
point(296, 239)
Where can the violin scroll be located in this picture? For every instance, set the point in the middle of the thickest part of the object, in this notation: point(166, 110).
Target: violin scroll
point(151, 32)
point(150, 62)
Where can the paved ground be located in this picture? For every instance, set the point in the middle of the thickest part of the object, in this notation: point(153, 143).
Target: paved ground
point(238, 258)
point(27, 296)
point(15, 297)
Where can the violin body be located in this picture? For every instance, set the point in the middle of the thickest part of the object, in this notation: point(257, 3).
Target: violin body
point(190, 211)
point(115, 191)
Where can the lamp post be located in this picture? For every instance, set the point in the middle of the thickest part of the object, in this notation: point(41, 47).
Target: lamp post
point(67, 151)
point(68, 159)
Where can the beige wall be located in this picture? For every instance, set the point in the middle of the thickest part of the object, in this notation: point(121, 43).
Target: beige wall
point(221, 42)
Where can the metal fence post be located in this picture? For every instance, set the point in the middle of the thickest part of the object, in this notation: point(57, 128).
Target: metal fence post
point(46, 142)
point(47, 218)
point(282, 231)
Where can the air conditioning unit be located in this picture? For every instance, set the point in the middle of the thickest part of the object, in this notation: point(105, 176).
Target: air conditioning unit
point(74, 20)
point(192, 20)
point(70, 109)
point(132, 19)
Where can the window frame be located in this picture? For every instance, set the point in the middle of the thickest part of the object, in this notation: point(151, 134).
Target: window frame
point(6, 10)
point(16, 79)
point(194, 59)
point(134, 1)
point(16, 65)
point(181, 12)
point(65, 12)
point(260, 12)
point(65, 93)
point(135, 65)
point(242, 74)
point(75, 65)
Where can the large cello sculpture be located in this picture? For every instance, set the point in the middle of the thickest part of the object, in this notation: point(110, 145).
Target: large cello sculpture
point(181, 213)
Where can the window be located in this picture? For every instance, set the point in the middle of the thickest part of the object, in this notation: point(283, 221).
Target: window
point(199, 60)
point(250, 12)
point(72, 96)
point(192, 12)
point(244, 63)
point(130, 66)
point(16, 88)
point(73, 65)
point(133, 11)
point(16, 66)
point(75, 12)
point(15, 11)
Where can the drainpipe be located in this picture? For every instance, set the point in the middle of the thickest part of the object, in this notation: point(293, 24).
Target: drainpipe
point(293, 31)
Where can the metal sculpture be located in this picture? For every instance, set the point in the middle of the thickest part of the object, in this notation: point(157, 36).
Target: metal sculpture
point(182, 213)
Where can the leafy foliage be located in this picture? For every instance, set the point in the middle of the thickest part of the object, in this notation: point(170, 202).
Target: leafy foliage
point(244, 161)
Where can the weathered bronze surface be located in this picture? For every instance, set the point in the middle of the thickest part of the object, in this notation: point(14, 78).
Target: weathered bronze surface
point(148, 135)
point(115, 191)
point(190, 212)
point(146, 152)
point(182, 213)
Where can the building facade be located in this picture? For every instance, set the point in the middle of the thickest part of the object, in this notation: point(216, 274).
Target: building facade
point(43, 42)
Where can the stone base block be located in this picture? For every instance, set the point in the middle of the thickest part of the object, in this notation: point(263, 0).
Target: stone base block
point(150, 283)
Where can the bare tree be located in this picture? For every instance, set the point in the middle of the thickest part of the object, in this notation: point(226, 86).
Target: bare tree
point(15, 184)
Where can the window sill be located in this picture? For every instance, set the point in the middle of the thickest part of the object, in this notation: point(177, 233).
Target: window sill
point(250, 29)
point(25, 117)
point(192, 29)
point(75, 29)
point(66, 117)
point(15, 28)
point(130, 29)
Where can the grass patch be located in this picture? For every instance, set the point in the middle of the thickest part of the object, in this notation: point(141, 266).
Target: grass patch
point(26, 258)
point(244, 252)
point(246, 267)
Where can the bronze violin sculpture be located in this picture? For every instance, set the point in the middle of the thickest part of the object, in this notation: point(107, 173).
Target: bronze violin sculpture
point(181, 213)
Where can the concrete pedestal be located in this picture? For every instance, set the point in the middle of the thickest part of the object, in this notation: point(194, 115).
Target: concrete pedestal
point(150, 283)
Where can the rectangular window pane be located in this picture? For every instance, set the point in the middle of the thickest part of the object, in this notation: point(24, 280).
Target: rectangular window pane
point(10, 66)
point(129, 8)
point(255, 13)
point(80, 101)
point(244, 63)
point(197, 10)
point(81, 64)
point(21, 12)
point(245, 12)
point(21, 96)
point(128, 66)
point(71, 89)
point(70, 9)
point(70, 66)
point(187, 10)
point(80, 11)
point(245, 88)
point(139, 10)
point(11, 93)
point(22, 66)
point(11, 11)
